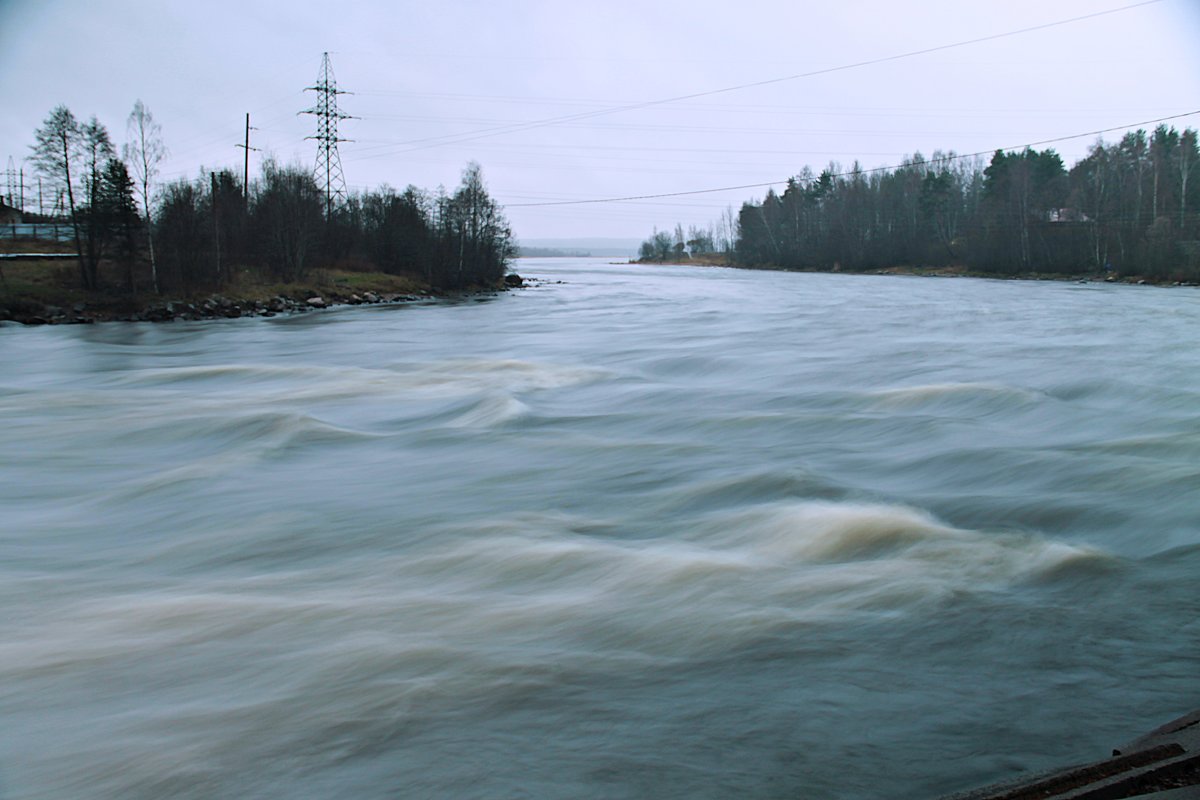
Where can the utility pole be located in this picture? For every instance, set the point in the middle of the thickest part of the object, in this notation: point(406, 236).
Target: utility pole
point(329, 163)
point(246, 166)
point(21, 208)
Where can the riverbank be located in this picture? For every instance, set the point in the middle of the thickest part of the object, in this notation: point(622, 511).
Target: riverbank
point(962, 272)
point(939, 272)
point(42, 290)
point(1163, 763)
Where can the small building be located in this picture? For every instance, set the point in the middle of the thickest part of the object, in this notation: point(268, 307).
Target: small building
point(10, 215)
point(1066, 215)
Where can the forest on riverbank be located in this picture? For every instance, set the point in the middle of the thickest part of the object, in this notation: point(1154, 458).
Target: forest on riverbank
point(133, 236)
point(1130, 208)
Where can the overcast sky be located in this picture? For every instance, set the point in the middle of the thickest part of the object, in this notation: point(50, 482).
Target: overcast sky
point(430, 80)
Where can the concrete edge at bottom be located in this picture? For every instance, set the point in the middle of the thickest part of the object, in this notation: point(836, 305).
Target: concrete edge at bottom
point(1156, 765)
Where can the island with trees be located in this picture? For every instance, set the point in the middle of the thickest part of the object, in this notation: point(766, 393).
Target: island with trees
point(219, 245)
point(1127, 211)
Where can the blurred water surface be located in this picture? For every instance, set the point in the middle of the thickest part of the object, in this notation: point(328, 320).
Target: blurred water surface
point(648, 532)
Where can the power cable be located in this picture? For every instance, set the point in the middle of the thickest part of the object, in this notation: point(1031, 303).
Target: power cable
point(954, 157)
point(436, 141)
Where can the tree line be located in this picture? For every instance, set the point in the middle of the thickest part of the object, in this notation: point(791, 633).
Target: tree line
point(1132, 207)
point(199, 234)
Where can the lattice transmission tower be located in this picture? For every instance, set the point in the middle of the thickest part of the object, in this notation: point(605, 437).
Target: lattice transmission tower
point(328, 171)
point(11, 183)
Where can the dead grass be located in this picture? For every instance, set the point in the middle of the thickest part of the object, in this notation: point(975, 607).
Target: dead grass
point(323, 282)
point(35, 246)
point(30, 284)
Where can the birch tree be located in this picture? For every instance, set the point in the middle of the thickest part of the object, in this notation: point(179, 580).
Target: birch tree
point(1188, 157)
point(143, 152)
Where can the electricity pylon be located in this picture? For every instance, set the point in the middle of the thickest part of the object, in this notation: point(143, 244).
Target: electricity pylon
point(328, 172)
point(11, 174)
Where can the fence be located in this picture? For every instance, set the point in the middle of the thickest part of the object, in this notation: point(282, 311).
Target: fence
point(46, 231)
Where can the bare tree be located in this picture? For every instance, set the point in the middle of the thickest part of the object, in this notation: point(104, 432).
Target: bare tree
point(143, 153)
point(473, 241)
point(729, 231)
point(288, 217)
point(97, 152)
point(56, 150)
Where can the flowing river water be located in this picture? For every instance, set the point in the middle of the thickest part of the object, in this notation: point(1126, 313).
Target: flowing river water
point(649, 532)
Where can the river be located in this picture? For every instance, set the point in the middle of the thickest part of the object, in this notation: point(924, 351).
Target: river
point(632, 532)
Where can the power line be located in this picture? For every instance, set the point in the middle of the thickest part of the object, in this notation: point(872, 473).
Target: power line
point(437, 141)
point(954, 157)
point(327, 113)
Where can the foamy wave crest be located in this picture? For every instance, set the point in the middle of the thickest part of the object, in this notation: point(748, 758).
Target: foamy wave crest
point(552, 585)
point(167, 376)
point(220, 445)
point(896, 543)
point(305, 382)
point(475, 376)
point(490, 411)
point(971, 394)
point(734, 578)
point(829, 532)
point(272, 429)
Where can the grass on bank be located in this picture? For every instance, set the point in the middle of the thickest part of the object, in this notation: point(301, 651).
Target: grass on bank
point(30, 285)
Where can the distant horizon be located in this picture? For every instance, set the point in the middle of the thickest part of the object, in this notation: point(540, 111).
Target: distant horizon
point(598, 247)
point(579, 241)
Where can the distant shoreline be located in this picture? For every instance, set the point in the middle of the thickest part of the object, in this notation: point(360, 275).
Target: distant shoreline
point(936, 272)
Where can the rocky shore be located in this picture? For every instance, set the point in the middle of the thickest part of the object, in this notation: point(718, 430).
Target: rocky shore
point(220, 306)
point(216, 306)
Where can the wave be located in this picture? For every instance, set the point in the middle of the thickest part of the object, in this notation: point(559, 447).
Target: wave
point(847, 533)
point(727, 578)
point(490, 411)
point(234, 387)
point(237, 408)
point(985, 396)
point(1183, 446)
point(538, 583)
point(218, 445)
point(330, 658)
point(206, 429)
point(331, 381)
point(754, 488)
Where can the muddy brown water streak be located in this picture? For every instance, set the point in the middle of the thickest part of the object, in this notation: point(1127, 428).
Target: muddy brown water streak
point(651, 532)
